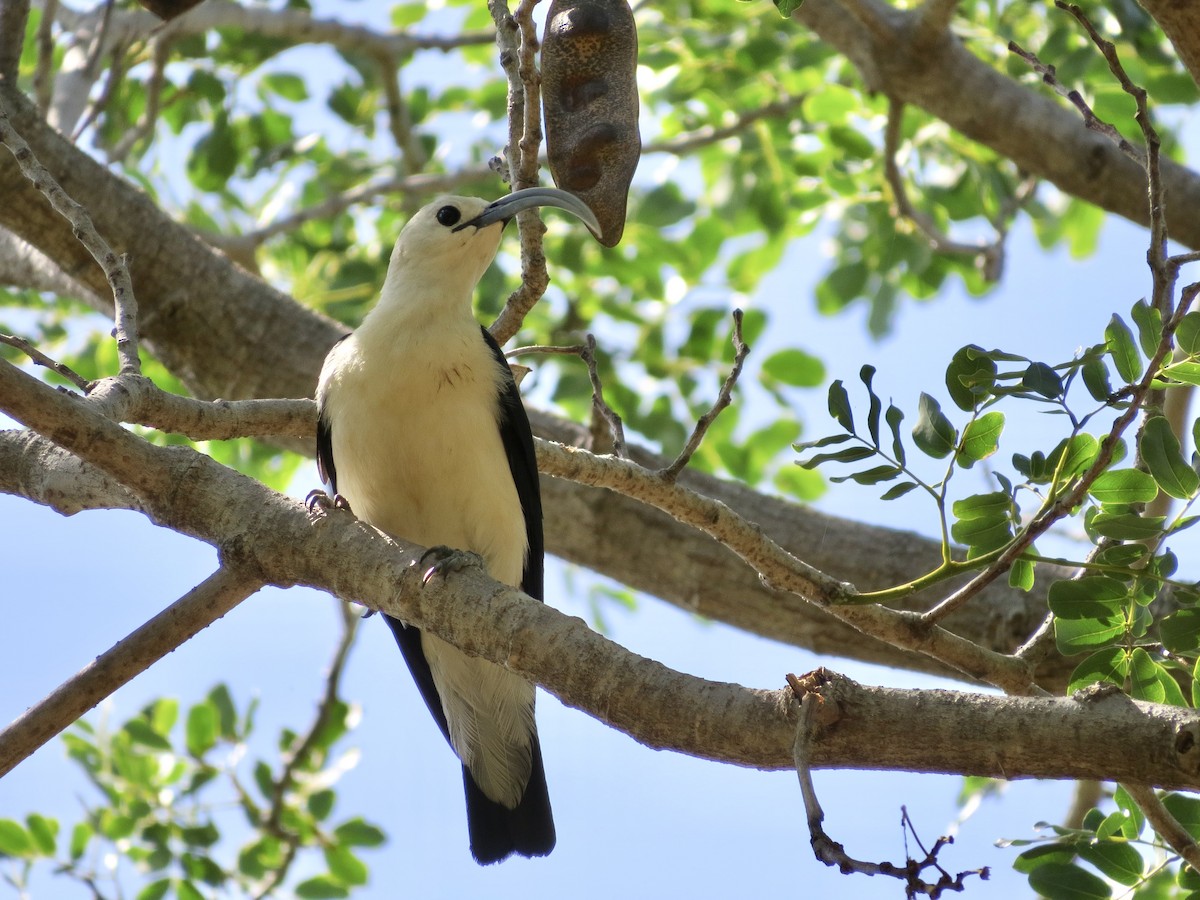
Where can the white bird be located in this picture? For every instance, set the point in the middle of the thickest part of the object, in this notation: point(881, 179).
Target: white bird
point(422, 432)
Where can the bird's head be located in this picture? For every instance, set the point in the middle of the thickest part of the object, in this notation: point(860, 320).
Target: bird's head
point(460, 235)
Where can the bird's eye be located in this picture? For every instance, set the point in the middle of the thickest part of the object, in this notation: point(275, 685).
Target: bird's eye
point(448, 215)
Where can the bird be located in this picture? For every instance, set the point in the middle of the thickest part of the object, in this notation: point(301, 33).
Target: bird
point(422, 433)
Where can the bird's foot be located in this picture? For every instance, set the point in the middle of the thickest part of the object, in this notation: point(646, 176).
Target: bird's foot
point(446, 560)
point(319, 501)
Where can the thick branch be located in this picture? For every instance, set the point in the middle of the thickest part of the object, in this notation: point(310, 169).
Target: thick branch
point(273, 537)
point(1038, 134)
point(1180, 21)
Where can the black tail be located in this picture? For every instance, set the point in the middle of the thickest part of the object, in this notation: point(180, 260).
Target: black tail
point(498, 832)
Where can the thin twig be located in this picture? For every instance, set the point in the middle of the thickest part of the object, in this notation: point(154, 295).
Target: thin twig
point(153, 88)
point(1090, 120)
point(600, 407)
point(146, 645)
point(419, 184)
point(516, 38)
point(302, 748)
point(724, 398)
point(42, 359)
point(399, 119)
point(43, 75)
point(91, 65)
point(989, 257)
point(709, 134)
point(116, 271)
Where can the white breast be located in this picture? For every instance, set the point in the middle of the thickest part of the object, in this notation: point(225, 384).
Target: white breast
point(412, 410)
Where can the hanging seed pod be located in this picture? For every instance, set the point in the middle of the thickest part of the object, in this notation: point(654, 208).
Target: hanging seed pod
point(590, 102)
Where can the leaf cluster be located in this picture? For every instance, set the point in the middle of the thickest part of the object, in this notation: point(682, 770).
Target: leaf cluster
point(175, 797)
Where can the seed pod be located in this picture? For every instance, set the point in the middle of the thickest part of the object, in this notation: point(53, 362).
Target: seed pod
point(590, 102)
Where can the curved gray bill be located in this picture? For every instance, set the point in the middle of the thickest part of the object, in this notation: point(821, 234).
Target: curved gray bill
point(507, 207)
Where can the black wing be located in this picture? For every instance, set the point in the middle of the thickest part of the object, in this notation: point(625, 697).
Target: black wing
point(325, 467)
point(522, 463)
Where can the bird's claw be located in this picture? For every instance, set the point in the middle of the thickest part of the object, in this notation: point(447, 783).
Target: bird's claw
point(319, 501)
point(445, 561)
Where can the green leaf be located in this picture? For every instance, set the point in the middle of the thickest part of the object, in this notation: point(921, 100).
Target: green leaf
point(848, 455)
point(1081, 635)
point(1067, 881)
point(359, 833)
point(1096, 379)
point(323, 887)
point(933, 434)
point(839, 406)
point(795, 368)
point(44, 833)
point(320, 804)
point(1090, 597)
point(1180, 631)
point(1123, 350)
point(185, 890)
point(1073, 456)
point(1126, 526)
point(286, 85)
point(1021, 575)
point(996, 504)
point(1110, 664)
point(220, 698)
point(1187, 335)
point(1136, 819)
point(1145, 683)
point(1124, 486)
point(970, 377)
point(202, 724)
point(827, 441)
point(1118, 860)
point(15, 840)
point(80, 835)
point(866, 374)
point(1160, 449)
point(873, 475)
point(1186, 810)
point(1041, 379)
point(345, 866)
point(981, 438)
point(894, 417)
point(155, 890)
point(982, 535)
point(899, 490)
point(1042, 854)
point(1187, 371)
point(143, 732)
point(787, 7)
point(1149, 326)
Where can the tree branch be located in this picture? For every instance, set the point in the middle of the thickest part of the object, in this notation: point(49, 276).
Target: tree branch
point(174, 626)
point(982, 103)
point(116, 272)
point(13, 16)
point(273, 539)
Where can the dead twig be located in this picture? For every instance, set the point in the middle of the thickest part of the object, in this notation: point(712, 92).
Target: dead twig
point(41, 359)
point(724, 398)
point(116, 270)
point(832, 853)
